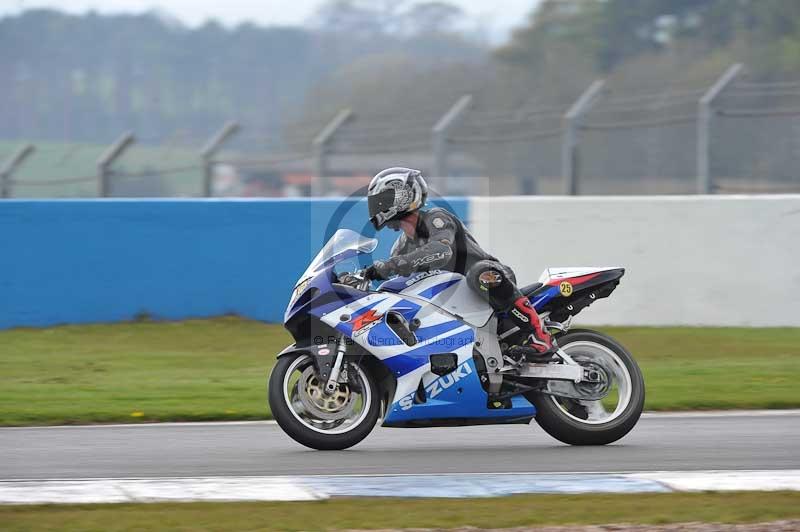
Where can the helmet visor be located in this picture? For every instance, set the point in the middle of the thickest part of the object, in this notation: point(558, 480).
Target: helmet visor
point(380, 202)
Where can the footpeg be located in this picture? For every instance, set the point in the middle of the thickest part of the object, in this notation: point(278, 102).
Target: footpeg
point(531, 355)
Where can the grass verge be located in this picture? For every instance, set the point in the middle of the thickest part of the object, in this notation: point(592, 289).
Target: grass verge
point(217, 369)
point(523, 510)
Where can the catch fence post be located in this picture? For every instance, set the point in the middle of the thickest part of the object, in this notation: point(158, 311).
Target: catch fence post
point(320, 146)
point(705, 114)
point(439, 132)
point(10, 166)
point(105, 161)
point(570, 157)
point(208, 152)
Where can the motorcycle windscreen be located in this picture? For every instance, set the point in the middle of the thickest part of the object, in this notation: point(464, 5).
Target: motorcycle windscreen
point(344, 244)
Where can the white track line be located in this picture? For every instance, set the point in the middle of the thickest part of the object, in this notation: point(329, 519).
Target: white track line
point(726, 480)
point(153, 490)
point(305, 488)
point(645, 415)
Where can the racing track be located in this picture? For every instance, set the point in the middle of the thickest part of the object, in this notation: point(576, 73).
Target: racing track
point(661, 442)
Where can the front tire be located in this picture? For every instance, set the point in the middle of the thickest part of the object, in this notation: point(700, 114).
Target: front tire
point(320, 421)
point(581, 422)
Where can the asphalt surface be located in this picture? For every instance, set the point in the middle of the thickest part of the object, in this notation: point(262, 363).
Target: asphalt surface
point(659, 443)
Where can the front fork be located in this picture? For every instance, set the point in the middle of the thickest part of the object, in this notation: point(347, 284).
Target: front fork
point(333, 377)
point(341, 350)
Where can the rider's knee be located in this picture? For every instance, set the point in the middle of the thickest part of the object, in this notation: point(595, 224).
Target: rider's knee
point(491, 281)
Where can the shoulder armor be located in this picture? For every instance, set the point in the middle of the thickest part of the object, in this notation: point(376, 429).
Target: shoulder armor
point(437, 219)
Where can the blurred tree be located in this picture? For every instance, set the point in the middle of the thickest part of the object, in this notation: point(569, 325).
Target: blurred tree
point(360, 18)
point(432, 18)
point(611, 32)
point(350, 17)
point(88, 78)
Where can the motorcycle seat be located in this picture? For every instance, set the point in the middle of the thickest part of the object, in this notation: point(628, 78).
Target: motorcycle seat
point(530, 289)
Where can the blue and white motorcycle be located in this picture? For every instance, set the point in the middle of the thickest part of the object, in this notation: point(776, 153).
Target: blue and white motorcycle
point(426, 351)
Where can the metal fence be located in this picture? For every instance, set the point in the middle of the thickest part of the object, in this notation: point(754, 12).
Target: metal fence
point(731, 135)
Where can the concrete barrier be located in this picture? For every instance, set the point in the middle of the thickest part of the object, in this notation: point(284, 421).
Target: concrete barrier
point(111, 260)
point(691, 260)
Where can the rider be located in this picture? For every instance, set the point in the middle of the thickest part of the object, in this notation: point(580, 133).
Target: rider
point(435, 239)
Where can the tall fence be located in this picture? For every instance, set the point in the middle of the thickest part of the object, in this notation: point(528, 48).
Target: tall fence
point(732, 134)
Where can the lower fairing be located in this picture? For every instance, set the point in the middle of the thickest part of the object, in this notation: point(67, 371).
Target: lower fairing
point(455, 398)
point(458, 422)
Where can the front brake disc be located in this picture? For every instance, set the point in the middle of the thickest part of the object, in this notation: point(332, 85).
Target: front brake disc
point(329, 407)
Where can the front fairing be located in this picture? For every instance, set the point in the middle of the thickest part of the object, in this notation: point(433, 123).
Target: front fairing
point(317, 286)
point(304, 317)
point(306, 291)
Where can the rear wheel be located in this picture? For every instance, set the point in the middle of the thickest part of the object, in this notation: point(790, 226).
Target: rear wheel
point(318, 420)
point(578, 421)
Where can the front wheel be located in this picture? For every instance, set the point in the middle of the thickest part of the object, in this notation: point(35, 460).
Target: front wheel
point(314, 418)
point(577, 421)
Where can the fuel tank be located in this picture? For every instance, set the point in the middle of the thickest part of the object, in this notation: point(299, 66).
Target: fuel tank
point(447, 290)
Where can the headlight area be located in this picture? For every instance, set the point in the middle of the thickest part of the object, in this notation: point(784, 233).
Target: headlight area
point(305, 297)
point(299, 289)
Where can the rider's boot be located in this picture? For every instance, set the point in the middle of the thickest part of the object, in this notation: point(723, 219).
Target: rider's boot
point(538, 344)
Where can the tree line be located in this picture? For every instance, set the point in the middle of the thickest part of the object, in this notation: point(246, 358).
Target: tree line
point(88, 78)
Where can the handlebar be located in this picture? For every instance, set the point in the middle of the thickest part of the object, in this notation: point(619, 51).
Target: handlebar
point(365, 281)
point(357, 279)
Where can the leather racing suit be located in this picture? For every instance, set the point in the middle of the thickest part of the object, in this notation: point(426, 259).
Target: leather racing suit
point(442, 242)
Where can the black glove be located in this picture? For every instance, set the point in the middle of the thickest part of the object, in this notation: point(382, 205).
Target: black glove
point(383, 270)
point(380, 270)
point(350, 280)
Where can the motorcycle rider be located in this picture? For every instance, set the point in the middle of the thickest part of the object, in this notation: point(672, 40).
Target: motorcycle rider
point(435, 239)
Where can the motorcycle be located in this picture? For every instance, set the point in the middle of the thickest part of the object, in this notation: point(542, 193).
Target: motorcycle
point(427, 351)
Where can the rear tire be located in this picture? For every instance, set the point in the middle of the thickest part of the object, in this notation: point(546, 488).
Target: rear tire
point(569, 428)
point(305, 432)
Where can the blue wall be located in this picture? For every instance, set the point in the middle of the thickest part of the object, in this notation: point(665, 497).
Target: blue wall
point(109, 260)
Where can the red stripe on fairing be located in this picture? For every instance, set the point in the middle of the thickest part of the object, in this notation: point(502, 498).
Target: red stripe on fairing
point(574, 280)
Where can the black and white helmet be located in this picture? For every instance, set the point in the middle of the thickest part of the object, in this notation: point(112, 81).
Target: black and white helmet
point(394, 193)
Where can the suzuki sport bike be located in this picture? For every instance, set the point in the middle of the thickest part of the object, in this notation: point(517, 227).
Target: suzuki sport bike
point(427, 351)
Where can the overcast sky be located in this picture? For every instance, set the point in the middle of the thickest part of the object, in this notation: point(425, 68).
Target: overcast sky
point(498, 16)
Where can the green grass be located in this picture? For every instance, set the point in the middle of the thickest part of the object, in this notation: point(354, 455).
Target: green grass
point(217, 370)
point(193, 370)
point(716, 368)
point(337, 514)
